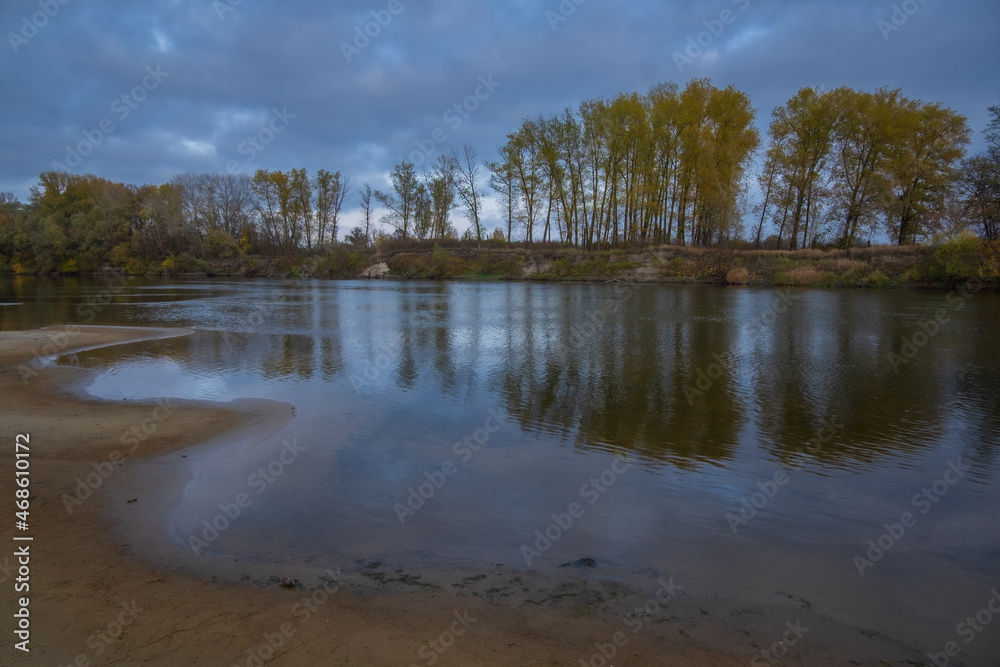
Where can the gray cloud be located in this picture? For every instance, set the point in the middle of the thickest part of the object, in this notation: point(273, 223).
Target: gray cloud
point(227, 75)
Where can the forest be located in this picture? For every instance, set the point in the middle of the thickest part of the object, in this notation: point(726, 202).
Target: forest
point(682, 167)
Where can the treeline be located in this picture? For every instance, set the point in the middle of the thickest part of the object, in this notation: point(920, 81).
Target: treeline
point(668, 167)
point(81, 223)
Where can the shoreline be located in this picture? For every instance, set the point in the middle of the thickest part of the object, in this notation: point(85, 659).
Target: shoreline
point(938, 267)
point(81, 579)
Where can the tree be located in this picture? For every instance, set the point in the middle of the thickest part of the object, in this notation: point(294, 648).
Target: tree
point(502, 180)
point(366, 211)
point(357, 237)
point(922, 165)
point(980, 182)
point(464, 169)
point(863, 135)
point(801, 138)
point(523, 154)
point(276, 208)
point(331, 191)
point(403, 201)
point(301, 207)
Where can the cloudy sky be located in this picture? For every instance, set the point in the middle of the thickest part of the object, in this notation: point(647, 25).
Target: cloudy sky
point(149, 90)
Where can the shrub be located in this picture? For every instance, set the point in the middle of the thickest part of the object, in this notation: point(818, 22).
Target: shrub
point(120, 254)
point(498, 239)
point(135, 267)
point(221, 244)
point(500, 265)
point(784, 263)
point(806, 276)
point(738, 276)
point(185, 263)
point(877, 280)
point(680, 267)
point(341, 263)
point(444, 264)
point(961, 259)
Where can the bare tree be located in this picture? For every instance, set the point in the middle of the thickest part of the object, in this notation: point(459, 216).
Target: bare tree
point(366, 211)
point(465, 166)
point(331, 191)
point(402, 203)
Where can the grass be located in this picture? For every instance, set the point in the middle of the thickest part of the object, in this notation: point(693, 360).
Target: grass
point(965, 259)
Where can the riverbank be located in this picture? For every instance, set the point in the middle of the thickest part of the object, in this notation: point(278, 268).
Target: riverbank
point(95, 601)
point(927, 267)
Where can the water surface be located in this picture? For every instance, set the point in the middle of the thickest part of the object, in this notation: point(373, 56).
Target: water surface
point(660, 411)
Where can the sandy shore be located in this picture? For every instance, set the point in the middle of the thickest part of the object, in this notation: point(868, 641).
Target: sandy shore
point(94, 601)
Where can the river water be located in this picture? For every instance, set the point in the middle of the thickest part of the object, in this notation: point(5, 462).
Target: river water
point(747, 441)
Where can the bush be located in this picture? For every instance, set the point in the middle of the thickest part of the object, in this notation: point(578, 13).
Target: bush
point(806, 277)
point(135, 267)
point(680, 267)
point(498, 239)
point(877, 280)
point(964, 258)
point(341, 263)
point(738, 276)
point(185, 263)
point(120, 254)
point(444, 264)
point(784, 263)
point(499, 265)
point(221, 244)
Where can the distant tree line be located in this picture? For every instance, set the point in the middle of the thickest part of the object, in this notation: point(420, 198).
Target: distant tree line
point(671, 166)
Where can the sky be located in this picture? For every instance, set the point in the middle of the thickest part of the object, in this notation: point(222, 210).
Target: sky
point(141, 92)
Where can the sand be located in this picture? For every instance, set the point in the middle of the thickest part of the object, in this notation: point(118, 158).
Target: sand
point(95, 601)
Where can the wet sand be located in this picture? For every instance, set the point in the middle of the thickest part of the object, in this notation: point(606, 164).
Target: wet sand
point(98, 599)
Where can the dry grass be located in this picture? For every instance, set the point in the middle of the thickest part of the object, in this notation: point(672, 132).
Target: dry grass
point(738, 276)
point(843, 266)
point(806, 277)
